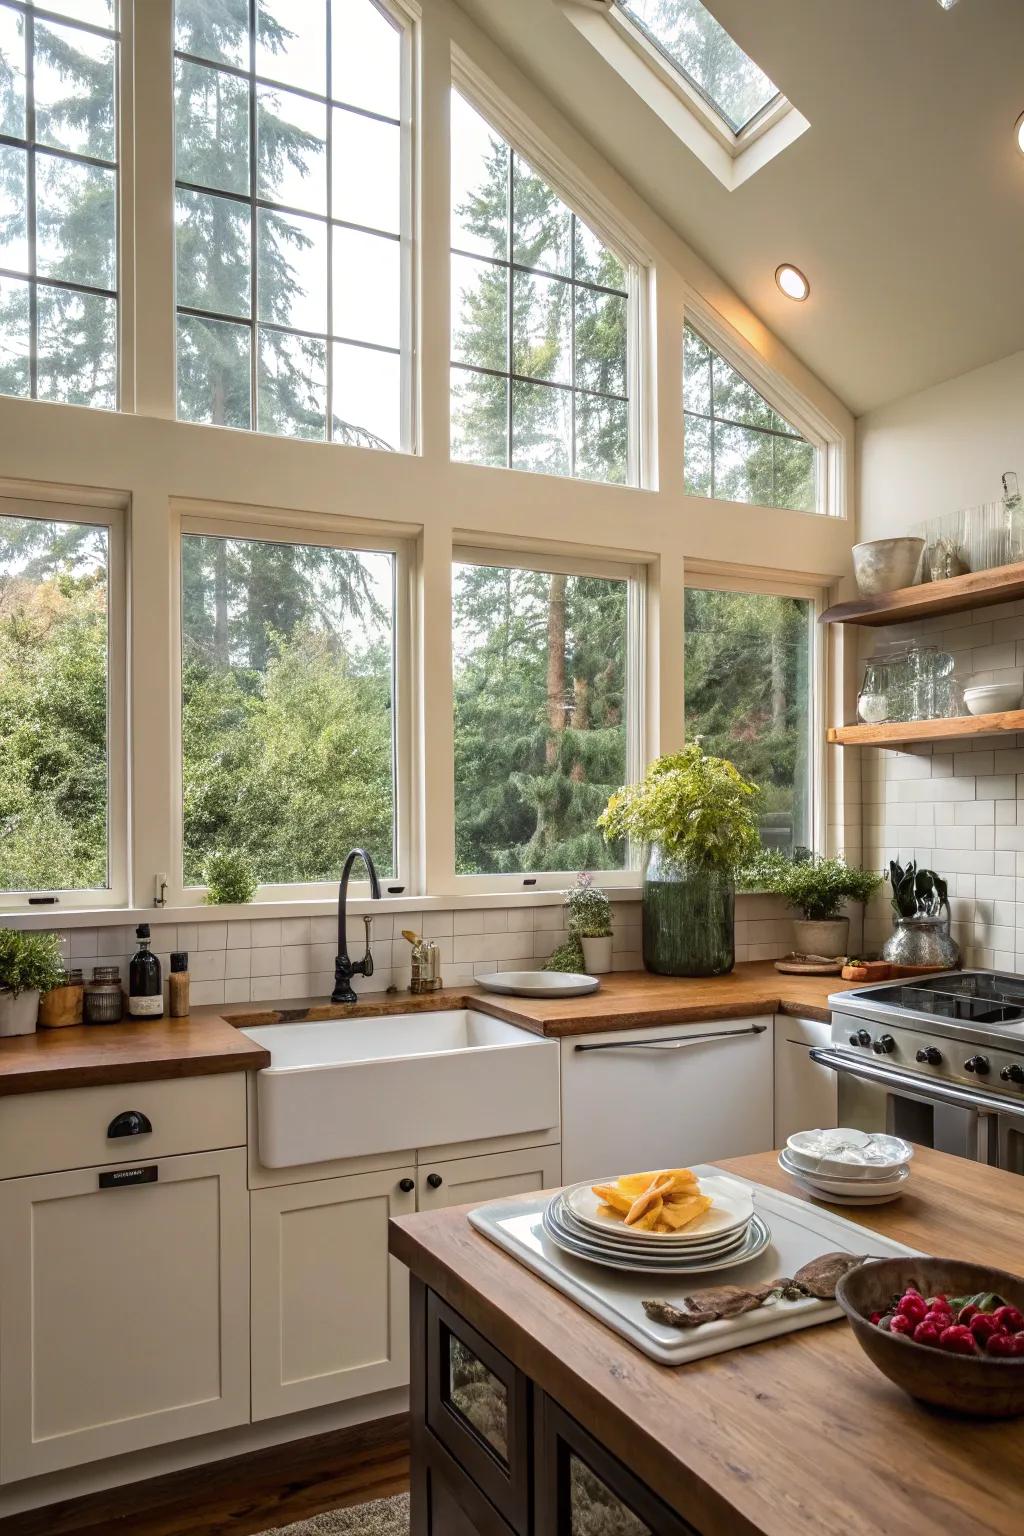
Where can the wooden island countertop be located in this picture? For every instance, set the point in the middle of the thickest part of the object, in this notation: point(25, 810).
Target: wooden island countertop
point(797, 1436)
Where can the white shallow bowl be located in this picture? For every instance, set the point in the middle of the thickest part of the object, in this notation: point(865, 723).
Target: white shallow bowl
point(538, 983)
point(993, 698)
point(884, 1155)
point(865, 1188)
point(830, 1197)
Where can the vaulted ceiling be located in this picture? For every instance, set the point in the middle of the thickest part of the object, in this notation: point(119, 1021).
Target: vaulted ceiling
point(903, 203)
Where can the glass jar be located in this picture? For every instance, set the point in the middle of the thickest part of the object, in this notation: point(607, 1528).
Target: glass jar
point(1013, 517)
point(104, 999)
point(689, 924)
point(873, 698)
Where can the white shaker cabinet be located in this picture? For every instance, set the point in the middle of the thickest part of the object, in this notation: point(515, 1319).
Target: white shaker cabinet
point(665, 1096)
point(123, 1308)
point(805, 1094)
point(495, 1176)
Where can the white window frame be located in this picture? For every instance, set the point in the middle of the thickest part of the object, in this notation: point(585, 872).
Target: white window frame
point(113, 518)
point(732, 157)
point(581, 198)
point(334, 533)
point(467, 551)
point(406, 19)
point(783, 397)
point(709, 577)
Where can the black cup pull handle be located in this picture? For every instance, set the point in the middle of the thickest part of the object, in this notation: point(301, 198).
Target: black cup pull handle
point(130, 1122)
point(434, 1180)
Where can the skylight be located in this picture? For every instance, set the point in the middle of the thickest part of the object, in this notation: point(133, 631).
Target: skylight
point(704, 53)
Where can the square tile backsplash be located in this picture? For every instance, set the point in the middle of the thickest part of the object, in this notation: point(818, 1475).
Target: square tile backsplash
point(268, 959)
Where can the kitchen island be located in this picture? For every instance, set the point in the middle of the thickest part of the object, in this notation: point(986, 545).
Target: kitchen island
point(799, 1436)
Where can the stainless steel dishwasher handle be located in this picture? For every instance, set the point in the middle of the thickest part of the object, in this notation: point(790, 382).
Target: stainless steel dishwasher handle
point(918, 1088)
point(671, 1042)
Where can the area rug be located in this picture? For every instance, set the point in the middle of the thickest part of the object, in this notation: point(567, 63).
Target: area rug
point(384, 1517)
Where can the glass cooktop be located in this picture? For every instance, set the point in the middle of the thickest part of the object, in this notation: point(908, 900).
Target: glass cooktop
point(977, 997)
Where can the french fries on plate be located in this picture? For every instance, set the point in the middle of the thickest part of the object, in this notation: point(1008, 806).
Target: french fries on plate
point(664, 1201)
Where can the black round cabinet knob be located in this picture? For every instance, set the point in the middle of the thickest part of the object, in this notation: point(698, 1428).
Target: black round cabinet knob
point(434, 1180)
point(407, 1186)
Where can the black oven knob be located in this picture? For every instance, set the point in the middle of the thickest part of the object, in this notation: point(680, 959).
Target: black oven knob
point(1014, 1074)
point(855, 1038)
point(863, 1038)
point(978, 1064)
point(930, 1055)
point(884, 1045)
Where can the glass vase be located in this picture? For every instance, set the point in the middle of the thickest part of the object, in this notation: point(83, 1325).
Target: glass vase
point(689, 918)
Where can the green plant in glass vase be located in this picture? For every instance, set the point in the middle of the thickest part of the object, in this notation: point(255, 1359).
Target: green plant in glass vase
point(696, 817)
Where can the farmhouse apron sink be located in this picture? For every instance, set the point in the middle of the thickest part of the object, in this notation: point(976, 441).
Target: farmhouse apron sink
point(352, 1087)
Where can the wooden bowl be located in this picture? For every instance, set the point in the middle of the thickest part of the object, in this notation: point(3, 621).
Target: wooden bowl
point(976, 1385)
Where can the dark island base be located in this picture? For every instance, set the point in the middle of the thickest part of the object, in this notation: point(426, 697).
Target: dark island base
point(493, 1455)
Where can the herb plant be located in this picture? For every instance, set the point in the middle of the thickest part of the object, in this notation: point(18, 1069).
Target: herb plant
point(817, 888)
point(700, 809)
point(29, 962)
point(589, 911)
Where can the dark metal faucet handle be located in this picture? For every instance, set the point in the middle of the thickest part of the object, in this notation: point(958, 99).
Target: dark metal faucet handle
point(368, 957)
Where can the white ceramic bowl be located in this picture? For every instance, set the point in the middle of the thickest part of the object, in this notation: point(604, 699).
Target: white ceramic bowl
point(993, 698)
point(886, 1185)
point(884, 1155)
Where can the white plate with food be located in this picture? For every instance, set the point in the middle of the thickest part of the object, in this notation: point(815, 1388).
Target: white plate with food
point(862, 1188)
point(724, 1205)
point(612, 1242)
point(755, 1241)
point(845, 1153)
point(538, 983)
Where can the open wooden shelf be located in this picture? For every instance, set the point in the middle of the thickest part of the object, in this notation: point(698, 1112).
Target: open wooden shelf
point(903, 732)
point(978, 589)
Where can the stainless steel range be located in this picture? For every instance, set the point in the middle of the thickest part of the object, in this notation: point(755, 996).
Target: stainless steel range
point(937, 1059)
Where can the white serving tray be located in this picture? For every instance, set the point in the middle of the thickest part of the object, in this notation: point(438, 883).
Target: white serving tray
point(800, 1232)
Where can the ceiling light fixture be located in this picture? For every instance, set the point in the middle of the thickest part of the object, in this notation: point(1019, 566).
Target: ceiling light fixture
point(1018, 132)
point(947, 5)
point(792, 282)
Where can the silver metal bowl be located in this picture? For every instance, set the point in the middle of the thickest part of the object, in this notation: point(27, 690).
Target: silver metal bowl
point(885, 565)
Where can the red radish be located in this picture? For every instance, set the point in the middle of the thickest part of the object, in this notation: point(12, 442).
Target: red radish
point(958, 1339)
point(901, 1323)
point(876, 1318)
point(1010, 1319)
point(928, 1333)
point(983, 1325)
point(913, 1306)
point(1004, 1346)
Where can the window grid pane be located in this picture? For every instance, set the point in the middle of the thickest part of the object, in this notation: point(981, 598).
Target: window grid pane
point(54, 648)
point(737, 447)
point(541, 705)
point(320, 286)
point(562, 351)
point(59, 204)
point(749, 699)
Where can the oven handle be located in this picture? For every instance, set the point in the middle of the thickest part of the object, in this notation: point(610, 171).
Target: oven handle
point(940, 1093)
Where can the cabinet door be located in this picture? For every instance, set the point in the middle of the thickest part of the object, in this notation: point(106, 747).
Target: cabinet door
point(805, 1094)
point(494, 1177)
point(662, 1098)
point(581, 1490)
point(124, 1306)
point(330, 1307)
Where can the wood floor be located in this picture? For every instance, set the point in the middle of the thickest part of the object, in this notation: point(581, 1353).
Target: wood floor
point(244, 1495)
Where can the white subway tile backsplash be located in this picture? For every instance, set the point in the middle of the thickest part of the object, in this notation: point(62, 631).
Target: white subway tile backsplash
point(207, 965)
point(212, 936)
point(237, 991)
point(295, 930)
point(265, 961)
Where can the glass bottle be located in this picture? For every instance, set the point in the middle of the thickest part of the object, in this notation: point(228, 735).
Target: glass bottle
point(145, 983)
point(873, 698)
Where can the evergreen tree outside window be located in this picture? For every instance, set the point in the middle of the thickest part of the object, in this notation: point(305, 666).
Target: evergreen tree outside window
point(737, 446)
point(540, 320)
point(749, 698)
point(700, 48)
point(289, 218)
point(59, 201)
point(541, 706)
point(287, 706)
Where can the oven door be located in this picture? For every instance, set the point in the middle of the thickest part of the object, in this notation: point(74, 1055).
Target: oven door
point(940, 1115)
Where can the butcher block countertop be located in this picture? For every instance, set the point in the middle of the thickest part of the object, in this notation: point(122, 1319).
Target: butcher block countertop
point(210, 1040)
point(797, 1436)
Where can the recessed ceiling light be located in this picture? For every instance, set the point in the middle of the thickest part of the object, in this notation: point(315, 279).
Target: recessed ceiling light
point(1018, 132)
point(792, 282)
point(947, 5)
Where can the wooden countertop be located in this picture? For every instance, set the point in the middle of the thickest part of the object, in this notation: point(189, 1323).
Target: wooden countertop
point(797, 1436)
point(84, 1055)
point(210, 1040)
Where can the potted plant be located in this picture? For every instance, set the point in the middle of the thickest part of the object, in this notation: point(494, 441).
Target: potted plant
point(818, 889)
point(590, 918)
point(920, 900)
point(230, 878)
point(30, 964)
point(695, 814)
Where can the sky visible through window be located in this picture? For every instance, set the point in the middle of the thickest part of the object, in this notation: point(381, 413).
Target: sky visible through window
point(702, 50)
point(289, 217)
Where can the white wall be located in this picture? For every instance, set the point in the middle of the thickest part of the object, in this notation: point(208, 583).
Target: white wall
point(940, 450)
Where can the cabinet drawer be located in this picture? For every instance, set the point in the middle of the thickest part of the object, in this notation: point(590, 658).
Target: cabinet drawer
point(71, 1127)
point(478, 1407)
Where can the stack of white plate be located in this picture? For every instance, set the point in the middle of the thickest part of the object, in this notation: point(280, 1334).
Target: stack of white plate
point(728, 1233)
point(844, 1166)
